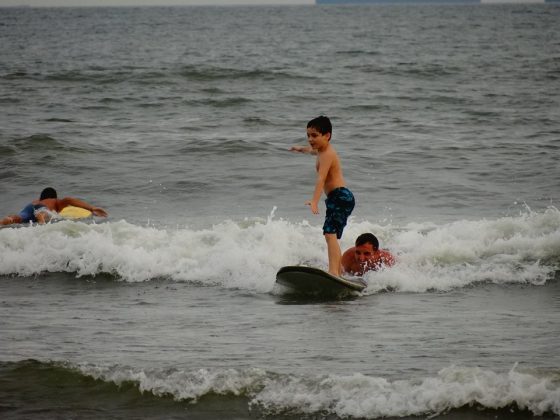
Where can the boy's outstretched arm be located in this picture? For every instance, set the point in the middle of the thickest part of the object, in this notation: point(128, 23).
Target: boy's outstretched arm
point(303, 149)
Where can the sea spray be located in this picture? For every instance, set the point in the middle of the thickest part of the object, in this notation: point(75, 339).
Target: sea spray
point(248, 253)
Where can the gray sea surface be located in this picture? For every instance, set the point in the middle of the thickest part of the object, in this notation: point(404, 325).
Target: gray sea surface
point(178, 121)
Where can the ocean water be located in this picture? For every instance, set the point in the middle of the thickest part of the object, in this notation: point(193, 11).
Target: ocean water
point(178, 122)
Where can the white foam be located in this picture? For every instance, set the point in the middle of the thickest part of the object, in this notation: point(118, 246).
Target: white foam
point(181, 384)
point(354, 395)
point(247, 254)
point(523, 249)
point(454, 387)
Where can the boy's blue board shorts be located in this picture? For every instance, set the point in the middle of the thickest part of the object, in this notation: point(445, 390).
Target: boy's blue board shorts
point(340, 203)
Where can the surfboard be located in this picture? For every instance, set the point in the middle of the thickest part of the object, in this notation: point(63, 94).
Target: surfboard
point(314, 281)
point(71, 212)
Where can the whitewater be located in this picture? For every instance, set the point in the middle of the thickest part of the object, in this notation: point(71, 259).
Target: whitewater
point(246, 254)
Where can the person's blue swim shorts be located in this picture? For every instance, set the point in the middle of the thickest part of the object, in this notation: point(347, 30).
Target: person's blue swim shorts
point(28, 213)
point(340, 203)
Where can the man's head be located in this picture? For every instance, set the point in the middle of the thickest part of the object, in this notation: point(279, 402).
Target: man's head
point(367, 238)
point(48, 193)
point(366, 245)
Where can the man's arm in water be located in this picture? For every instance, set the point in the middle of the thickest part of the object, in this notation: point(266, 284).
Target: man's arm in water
point(72, 201)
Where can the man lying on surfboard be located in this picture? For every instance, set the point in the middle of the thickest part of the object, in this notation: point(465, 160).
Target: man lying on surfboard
point(38, 210)
point(366, 256)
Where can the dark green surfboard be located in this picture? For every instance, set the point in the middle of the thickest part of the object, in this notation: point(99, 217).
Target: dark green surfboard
point(314, 281)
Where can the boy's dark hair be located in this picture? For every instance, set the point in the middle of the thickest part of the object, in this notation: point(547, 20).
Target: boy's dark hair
point(48, 193)
point(322, 124)
point(367, 238)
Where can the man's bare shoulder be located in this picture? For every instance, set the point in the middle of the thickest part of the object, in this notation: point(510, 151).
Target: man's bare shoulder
point(348, 257)
point(349, 251)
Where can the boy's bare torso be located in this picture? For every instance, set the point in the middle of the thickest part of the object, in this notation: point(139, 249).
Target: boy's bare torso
point(334, 178)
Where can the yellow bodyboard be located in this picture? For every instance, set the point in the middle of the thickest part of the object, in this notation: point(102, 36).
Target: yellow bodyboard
point(71, 212)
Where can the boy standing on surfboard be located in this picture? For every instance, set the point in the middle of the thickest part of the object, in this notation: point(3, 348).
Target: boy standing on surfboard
point(340, 200)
